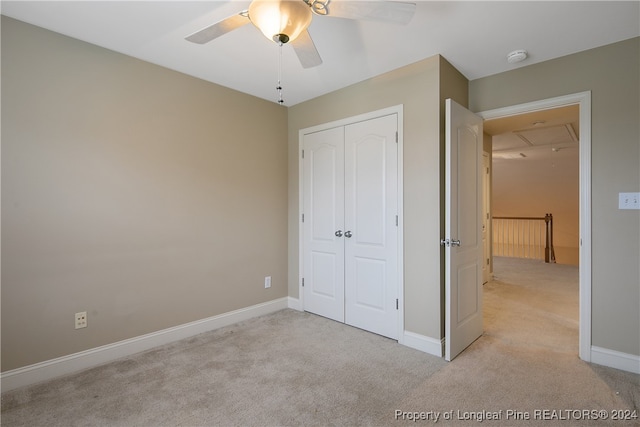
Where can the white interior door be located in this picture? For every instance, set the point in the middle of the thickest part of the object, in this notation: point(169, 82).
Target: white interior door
point(323, 224)
point(371, 229)
point(463, 229)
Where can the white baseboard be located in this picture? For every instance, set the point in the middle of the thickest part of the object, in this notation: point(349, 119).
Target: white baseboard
point(294, 304)
point(615, 359)
point(423, 343)
point(410, 339)
point(97, 356)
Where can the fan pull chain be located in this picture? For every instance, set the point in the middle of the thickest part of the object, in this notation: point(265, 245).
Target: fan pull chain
point(279, 87)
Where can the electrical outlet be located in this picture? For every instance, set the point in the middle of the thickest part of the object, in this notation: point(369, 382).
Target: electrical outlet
point(267, 282)
point(629, 201)
point(81, 320)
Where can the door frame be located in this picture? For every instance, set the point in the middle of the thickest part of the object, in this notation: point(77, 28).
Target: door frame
point(486, 210)
point(398, 110)
point(583, 100)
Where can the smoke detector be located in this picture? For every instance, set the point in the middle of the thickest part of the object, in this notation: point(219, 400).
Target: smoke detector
point(517, 56)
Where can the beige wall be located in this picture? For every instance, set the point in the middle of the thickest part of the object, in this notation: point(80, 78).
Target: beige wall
point(611, 73)
point(143, 196)
point(418, 88)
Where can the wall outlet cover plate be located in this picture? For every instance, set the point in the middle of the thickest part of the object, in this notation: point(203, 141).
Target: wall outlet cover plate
point(629, 201)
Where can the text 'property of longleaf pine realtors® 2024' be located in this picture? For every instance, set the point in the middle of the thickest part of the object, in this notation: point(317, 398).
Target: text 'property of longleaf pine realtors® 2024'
point(515, 415)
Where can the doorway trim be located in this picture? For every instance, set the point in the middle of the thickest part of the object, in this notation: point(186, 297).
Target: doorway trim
point(583, 100)
point(398, 110)
point(486, 215)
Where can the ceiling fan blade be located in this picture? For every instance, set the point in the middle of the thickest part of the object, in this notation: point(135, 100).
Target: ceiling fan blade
point(306, 50)
point(219, 28)
point(386, 11)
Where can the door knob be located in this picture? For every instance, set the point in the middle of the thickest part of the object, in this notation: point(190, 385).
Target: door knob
point(447, 242)
point(347, 234)
point(339, 233)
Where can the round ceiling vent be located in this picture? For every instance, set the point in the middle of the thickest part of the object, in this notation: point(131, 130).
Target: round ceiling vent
point(517, 56)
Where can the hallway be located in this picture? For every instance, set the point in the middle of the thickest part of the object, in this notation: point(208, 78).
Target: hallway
point(533, 304)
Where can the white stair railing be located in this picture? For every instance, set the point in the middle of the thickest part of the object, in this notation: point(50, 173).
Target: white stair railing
point(524, 237)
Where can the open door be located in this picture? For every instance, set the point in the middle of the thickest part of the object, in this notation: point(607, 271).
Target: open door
point(463, 229)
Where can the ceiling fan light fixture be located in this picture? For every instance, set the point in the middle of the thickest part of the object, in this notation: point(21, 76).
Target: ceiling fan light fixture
point(280, 20)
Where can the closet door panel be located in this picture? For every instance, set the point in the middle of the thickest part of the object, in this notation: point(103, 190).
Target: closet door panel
point(323, 250)
point(370, 224)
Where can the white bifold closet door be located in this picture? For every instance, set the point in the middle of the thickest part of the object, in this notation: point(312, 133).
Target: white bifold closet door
point(350, 242)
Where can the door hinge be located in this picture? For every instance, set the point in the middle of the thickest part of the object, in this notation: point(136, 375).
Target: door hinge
point(397, 304)
point(303, 282)
point(396, 137)
point(302, 217)
point(303, 154)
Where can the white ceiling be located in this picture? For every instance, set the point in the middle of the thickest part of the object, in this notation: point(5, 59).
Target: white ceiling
point(536, 135)
point(474, 36)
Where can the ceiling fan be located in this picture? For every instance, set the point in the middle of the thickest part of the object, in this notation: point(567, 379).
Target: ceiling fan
point(286, 21)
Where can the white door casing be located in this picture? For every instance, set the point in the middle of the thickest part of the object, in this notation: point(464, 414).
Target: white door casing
point(352, 213)
point(486, 217)
point(583, 100)
point(463, 229)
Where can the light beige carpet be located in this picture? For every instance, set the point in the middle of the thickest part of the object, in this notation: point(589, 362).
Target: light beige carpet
point(527, 360)
point(293, 368)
